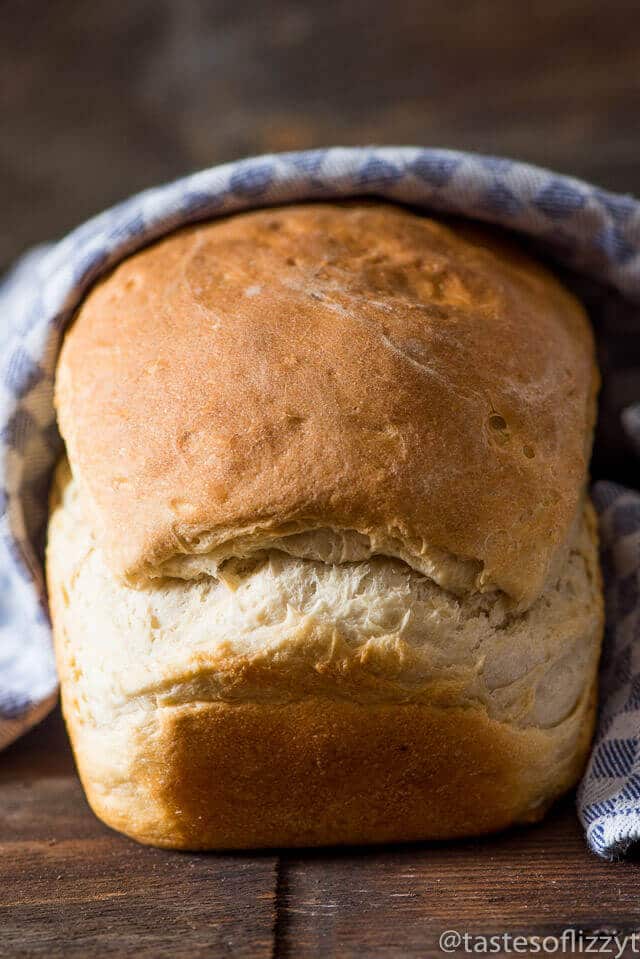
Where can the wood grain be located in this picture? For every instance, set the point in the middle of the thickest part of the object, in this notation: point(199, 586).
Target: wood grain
point(397, 901)
point(71, 887)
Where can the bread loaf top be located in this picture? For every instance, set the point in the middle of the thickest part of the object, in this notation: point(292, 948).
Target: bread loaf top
point(335, 381)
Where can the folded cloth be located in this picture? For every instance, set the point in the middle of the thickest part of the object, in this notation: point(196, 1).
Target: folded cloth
point(587, 229)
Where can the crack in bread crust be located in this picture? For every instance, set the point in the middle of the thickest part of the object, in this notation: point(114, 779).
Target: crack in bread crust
point(306, 645)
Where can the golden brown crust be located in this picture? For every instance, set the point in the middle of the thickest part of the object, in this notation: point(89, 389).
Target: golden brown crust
point(332, 368)
point(346, 366)
point(305, 741)
point(317, 772)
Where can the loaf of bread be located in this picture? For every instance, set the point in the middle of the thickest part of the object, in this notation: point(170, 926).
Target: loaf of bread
point(321, 563)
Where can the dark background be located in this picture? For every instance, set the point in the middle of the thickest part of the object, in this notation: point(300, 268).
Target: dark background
point(100, 99)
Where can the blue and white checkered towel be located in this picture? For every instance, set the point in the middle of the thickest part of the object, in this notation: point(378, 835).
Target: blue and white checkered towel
point(595, 232)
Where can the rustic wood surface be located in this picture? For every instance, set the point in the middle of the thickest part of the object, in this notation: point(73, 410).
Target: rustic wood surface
point(101, 99)
point(69, 887)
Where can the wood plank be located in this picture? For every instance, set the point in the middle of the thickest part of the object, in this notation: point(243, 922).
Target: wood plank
point(71, 887)
point(397, 901)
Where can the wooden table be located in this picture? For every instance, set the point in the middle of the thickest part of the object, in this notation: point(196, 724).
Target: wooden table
point(72, 888)
point(102, 99)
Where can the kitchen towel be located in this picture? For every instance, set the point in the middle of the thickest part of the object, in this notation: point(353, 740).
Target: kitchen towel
point(580, 226)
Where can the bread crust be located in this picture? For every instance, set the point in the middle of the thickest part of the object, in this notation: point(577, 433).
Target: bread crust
point(326, 771)
point(355, 367)
point(393, 416)
point(309, 736)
